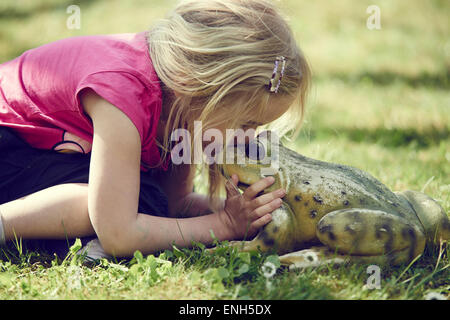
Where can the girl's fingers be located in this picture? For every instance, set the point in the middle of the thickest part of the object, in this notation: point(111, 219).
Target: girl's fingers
point(265, 209)
point(235, 179)
point(268, 197)
point(257, 187)
point(231, 186)
point(261, 222)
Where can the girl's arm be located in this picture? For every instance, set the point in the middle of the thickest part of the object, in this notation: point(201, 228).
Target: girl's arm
point(114, 189)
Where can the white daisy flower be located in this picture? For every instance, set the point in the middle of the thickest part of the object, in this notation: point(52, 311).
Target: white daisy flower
point(435, 296)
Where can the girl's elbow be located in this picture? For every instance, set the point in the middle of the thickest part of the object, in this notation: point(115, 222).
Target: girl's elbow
point(113, 246)
point(113, 234)
point(114, 242)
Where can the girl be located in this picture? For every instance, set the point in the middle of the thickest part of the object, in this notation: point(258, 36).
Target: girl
point(86, 122)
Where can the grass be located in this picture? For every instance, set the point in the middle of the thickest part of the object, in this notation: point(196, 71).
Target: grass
point(380, 102)
point(197, 274)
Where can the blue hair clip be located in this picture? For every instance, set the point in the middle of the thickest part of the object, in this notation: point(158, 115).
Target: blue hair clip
point(277, 74)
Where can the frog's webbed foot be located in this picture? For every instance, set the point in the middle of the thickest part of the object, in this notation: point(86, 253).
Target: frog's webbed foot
point(322, 255)
point(371, 235)
point(312, 257)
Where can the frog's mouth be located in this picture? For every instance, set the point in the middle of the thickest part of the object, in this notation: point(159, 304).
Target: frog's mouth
point(243, 185)
point(240, 185)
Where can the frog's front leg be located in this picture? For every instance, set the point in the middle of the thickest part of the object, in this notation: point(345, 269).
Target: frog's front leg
point(371, 235)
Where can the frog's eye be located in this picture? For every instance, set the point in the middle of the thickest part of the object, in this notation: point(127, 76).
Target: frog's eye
point(255, 150)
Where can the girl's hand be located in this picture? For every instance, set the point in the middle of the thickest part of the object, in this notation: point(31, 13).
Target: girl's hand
point(244, 214)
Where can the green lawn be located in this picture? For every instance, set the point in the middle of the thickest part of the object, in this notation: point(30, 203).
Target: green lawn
point(380, 101)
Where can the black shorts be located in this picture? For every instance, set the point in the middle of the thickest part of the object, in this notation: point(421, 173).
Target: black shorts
point(25, 170)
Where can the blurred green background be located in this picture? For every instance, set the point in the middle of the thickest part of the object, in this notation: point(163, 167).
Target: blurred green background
point(380, 98)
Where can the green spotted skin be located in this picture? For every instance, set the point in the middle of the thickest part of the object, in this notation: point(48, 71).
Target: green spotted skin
point(348, 212)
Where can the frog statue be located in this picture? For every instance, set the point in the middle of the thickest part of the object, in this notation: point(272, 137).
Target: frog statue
point(333, 213)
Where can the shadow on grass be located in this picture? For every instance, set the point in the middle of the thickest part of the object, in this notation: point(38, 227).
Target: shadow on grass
point(386, 78)
point(43, 251)
point(18, 11)
point(387, 137)
point(22, 12)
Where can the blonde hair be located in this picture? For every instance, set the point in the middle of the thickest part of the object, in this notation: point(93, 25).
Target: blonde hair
point(218, 57)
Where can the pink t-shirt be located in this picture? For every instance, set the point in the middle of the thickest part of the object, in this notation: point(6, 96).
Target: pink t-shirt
point(39, 91)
